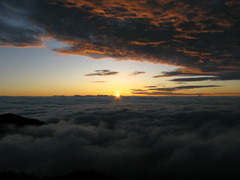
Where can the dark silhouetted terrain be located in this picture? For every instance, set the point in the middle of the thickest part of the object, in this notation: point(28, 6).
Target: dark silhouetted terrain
point(18, 120)
point(7, 175)
point(80, 175)
point(9, 123)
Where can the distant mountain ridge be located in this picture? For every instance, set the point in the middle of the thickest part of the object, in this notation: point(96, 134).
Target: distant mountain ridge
point(7, 119)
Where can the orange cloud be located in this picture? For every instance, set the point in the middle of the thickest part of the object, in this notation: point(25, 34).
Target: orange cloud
point(146, 43)
point(195, 35)
point(157, 13)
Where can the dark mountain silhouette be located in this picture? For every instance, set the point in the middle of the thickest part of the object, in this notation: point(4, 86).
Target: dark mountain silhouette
point(17, 120)
point(77, 175)
point(10, 123)
point(7, 175)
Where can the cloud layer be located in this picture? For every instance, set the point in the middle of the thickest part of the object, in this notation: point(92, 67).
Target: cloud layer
point(200, 36)
point(134, 138)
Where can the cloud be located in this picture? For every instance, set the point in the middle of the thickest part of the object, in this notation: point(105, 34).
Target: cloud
point(184, 72)
point(198, 35)
point(221, 73)
point(182, 88)
point(152, 138)
point(150, 86)
point(160, 93)
point(135, 73)
point(17, 28)
point(103, 73)
point(169, 91)
point(194, 79)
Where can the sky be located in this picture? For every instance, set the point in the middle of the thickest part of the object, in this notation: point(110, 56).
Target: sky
point(137, 47)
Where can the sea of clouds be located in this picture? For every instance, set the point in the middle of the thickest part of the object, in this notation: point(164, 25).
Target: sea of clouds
point(131, 138)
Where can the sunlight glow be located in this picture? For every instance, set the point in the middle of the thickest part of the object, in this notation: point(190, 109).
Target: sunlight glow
point(118, 95)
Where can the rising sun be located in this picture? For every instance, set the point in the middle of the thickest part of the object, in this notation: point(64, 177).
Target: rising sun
point(117, 95)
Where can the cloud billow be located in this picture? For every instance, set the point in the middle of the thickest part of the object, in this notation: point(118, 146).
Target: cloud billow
point(201, 36)
point(137, 138)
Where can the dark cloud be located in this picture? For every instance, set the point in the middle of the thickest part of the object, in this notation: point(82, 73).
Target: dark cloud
point(135, 73)
point(139, 90)
point(150, 86)
point(182, 88)
point(183, 72)
point(134, 138)
point(169, 91)
point(194, 79)
point(222, 73)
point(202, 35)
point(18, 29)
point(160, 93)
point(103, 73)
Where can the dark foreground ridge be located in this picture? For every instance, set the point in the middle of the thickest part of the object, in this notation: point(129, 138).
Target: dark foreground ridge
point(6, 119)
point(11, 175)
point(11, 123)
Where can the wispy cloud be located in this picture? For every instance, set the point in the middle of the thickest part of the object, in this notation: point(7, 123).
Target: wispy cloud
point(155, 90)
point(194, 79)
point(150, 86)
point(135, 73)
point(182, 88)
point(103, 73)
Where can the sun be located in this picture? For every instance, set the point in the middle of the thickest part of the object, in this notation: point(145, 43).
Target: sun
point(117, 95)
